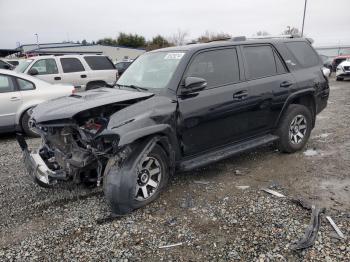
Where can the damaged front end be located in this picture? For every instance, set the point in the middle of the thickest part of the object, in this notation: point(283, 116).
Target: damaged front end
point(73, 149)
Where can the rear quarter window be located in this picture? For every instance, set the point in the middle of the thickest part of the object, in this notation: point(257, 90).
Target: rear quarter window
point(303, 53)
point(99, 63)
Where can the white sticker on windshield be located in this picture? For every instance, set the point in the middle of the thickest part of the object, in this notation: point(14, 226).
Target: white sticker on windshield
point(175, 56)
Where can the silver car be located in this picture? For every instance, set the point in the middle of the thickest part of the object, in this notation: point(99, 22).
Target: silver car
point(19, 93)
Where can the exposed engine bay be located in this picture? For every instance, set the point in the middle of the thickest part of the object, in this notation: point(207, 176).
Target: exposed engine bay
point(78, 148)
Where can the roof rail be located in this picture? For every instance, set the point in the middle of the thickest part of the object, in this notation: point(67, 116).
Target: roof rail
point(273, 36)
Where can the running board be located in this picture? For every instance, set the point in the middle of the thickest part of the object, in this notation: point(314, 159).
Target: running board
point(222, 153)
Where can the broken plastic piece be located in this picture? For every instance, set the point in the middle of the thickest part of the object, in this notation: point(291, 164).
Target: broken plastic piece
point(243, 187)
point(336, 228)
point(273, 192)
point(311, 231)
point(172, 245)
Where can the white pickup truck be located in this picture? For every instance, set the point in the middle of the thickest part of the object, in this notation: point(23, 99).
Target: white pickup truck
point(84, 72)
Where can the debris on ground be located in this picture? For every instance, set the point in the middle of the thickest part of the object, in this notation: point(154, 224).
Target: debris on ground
point(335, 227)
point(273, 192)
point(242, 187)
point(172, 245)
point(238, 172)
point(311, 231)
point(201, 182)
point(310, 152)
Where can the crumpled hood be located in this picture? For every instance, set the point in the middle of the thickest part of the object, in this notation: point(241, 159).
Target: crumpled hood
point(68, 106)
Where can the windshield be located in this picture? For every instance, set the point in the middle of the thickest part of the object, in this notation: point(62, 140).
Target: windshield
point(23, 65)
point(151, 70)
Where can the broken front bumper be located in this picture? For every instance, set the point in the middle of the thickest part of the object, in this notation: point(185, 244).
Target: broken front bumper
point(35, 165)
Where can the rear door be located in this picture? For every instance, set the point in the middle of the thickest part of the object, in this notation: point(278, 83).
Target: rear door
point(47, 70)
point(268, 83)
point(10, 101)
point(102, 69)
point(74, 72)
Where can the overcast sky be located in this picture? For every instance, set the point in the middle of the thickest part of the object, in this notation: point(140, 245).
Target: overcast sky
point(327, 21)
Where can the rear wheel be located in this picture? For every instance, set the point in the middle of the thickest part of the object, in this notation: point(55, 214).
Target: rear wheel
point(295, 128)
point(137, 182)
point(26, 124)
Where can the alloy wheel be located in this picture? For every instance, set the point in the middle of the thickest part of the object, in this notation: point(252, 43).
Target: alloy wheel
point(297, 129)
point(148, 178)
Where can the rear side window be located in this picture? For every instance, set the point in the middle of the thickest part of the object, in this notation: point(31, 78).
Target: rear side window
point(6, 84)
point(71, 65)
point(260, 61)
point(99, 63)
point(303, 53)
point(25, 85)
point(217, 67)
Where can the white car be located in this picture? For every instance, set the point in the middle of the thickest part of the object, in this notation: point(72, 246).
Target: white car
point(85, 72)
point(19, 93)
point(343, 70)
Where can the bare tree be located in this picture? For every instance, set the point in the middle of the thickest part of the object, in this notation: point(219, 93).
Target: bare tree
point(291, 31)
point(179, 38)
point(212, 36)
point(262, 33)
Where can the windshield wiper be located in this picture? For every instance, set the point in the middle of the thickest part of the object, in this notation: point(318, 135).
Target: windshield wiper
point(138, 88)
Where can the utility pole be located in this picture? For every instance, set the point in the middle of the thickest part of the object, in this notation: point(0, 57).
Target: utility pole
point(37, 41)
point(302, 28)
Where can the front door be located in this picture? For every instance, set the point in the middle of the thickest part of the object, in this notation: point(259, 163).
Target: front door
point(211, 117)
point(47, 70)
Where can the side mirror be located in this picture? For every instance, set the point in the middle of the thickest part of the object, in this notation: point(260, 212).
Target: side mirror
point(193, 84)
point(7, 67)
point(33, 72)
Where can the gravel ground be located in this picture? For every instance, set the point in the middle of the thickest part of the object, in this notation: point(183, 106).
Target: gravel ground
point(205, 210)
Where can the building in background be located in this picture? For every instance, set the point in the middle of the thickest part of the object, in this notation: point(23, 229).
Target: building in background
point(116, 53)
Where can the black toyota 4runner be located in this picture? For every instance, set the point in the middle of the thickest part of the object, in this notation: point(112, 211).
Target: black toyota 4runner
point(179, 108)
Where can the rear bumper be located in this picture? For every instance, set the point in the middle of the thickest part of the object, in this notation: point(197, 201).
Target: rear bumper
point(35, 165)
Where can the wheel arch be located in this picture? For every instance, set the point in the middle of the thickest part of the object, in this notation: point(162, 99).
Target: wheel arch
point(306, 98)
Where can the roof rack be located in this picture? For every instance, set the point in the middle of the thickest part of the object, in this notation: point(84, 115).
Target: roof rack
point(274, 36)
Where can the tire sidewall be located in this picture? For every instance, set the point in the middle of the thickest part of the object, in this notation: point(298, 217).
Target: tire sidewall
point(25, 125)
point(120, 183)
point(285, 142)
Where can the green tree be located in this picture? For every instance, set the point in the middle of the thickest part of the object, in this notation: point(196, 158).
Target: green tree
point(131, 40)
point(211, 36)
point(107, 41)
point(84, 42)
point(158, 42)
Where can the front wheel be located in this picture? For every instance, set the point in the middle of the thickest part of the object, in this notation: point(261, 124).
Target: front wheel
point(339, 79)
point(137, 182)
point(295, 128)
point(26, 124)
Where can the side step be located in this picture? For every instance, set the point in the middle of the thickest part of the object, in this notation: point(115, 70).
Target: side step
point(222, 153)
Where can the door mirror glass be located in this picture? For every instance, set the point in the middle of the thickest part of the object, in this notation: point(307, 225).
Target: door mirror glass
point(193, 84)
point(33, 72)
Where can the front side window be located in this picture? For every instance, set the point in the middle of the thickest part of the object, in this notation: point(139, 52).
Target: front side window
point(6, 84)
point(303, 53)
point(46, 66)
point(99, 63)
point(260, 61)
point(25, 85)
point(217, 67)
point(151, 70)
point(23, 65)
point(71, 65)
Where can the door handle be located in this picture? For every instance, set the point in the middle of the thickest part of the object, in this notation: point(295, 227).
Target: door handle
point(57, 78)
point(83, 76)
point(240, 95)
point(14, 98)
point(286, 84)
